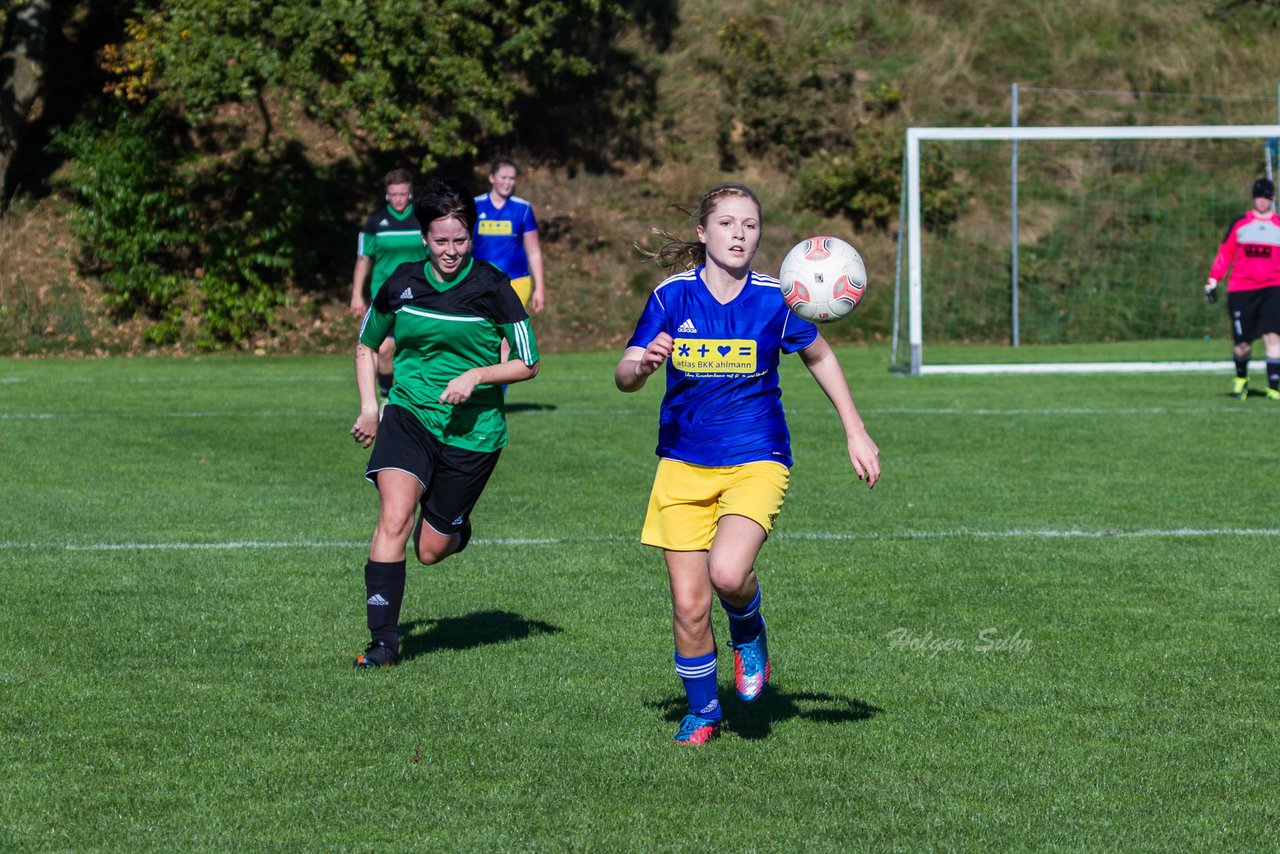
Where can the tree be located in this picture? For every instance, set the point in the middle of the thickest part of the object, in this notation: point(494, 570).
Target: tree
point(433, 77)
point(22, 65)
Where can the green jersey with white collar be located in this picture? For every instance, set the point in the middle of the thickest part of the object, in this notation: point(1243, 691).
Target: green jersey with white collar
point(390, 239)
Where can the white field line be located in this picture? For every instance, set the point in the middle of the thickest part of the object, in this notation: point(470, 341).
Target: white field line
point(228, 379)
point(1082, 368)
point(604, 380)
point(1009, 534)
point(578, 413)
point(151, 415)
point(1059, 410)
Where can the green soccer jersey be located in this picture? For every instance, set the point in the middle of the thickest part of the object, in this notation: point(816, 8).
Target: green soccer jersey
point(445, 328)
point(390, 239)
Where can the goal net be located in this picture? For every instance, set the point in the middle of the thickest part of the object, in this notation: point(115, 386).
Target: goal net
point(1074, 248)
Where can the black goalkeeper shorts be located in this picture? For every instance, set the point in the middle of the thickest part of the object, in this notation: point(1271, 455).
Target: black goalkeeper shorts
point(1254, 313)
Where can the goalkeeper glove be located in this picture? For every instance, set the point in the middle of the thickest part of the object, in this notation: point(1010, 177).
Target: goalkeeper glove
point(1211, 293)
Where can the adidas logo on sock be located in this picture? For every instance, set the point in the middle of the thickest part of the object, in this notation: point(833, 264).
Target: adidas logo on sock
point(688, 328)
point(408, 294)
point(376, 599)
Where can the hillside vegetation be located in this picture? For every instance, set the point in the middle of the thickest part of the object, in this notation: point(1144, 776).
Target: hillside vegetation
point(805, 102)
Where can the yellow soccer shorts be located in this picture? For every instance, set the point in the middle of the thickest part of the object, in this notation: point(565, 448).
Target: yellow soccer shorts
point(524, 289)
point(687, 501)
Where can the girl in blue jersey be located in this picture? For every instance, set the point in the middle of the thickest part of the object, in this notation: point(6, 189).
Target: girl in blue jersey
point(723, 446)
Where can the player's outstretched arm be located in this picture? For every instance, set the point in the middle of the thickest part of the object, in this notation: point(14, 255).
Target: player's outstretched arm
point(637, 364)
point(366, 426)
point(821, 361)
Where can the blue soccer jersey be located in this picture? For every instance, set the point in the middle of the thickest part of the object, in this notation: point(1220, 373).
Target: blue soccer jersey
point(723, 405)
point(499, 237)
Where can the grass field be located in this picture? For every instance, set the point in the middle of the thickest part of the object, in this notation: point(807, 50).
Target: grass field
point(1051, 626)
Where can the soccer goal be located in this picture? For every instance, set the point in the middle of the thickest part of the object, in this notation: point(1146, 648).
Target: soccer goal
point(1103, 264)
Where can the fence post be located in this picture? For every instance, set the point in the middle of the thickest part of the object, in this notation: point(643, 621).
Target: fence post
point(1013, 261)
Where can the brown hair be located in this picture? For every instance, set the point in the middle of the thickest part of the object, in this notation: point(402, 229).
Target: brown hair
point(398, 176)
point(499, 162)
point(676, 253)
point(445, 199)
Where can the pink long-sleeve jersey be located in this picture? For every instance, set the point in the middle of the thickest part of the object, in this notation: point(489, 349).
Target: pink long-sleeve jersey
point(1252, 253)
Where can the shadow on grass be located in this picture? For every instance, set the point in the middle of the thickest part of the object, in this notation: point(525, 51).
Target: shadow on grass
point(421, 637)
point(755, 720)
point(530, 407)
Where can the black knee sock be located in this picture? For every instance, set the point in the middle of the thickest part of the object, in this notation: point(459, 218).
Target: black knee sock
point(1273, 373)
point(1242, 366)
point(384, 589)
point(384, 383)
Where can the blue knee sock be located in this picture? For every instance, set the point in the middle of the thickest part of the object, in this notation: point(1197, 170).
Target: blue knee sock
point(745, 623)
point(699, 677)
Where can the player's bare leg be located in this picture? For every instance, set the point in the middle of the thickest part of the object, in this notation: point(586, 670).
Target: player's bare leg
point(695, 659)
point(732, 570)
point(1271, 341)
point(1240, 385)
point(384, 574)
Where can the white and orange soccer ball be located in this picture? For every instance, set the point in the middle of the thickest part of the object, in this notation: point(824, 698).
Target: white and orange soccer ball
point(823, 279)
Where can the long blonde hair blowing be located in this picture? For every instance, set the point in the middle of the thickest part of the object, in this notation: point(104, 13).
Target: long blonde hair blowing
point(678, 254)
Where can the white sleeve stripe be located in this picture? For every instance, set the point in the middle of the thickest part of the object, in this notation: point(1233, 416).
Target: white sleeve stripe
point(527, 336)
point(522, 342)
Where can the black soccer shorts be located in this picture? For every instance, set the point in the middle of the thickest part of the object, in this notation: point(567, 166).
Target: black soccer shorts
point(452, 478)
point(1254, 313)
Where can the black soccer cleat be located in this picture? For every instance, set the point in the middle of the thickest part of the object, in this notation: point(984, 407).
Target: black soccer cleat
point(376, 654)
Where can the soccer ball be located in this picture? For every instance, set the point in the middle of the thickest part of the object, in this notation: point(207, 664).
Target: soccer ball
point(823, 279)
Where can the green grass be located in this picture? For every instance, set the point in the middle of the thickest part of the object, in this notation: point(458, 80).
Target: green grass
point(181, 544)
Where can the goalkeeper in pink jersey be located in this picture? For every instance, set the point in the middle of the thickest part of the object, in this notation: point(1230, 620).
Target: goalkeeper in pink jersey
point(1251, 251)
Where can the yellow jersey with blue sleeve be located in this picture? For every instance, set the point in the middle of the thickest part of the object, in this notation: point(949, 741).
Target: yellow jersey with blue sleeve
point(723, 403)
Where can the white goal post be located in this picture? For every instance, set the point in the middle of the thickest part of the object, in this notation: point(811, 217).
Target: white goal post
point(912, 193)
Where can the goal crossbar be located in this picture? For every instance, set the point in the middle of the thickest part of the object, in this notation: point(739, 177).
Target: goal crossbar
point(916, 135)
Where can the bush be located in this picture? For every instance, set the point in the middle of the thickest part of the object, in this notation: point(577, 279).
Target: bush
point(786, 97)
point(184, 243)
point(133, 218)
point(865, 184)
